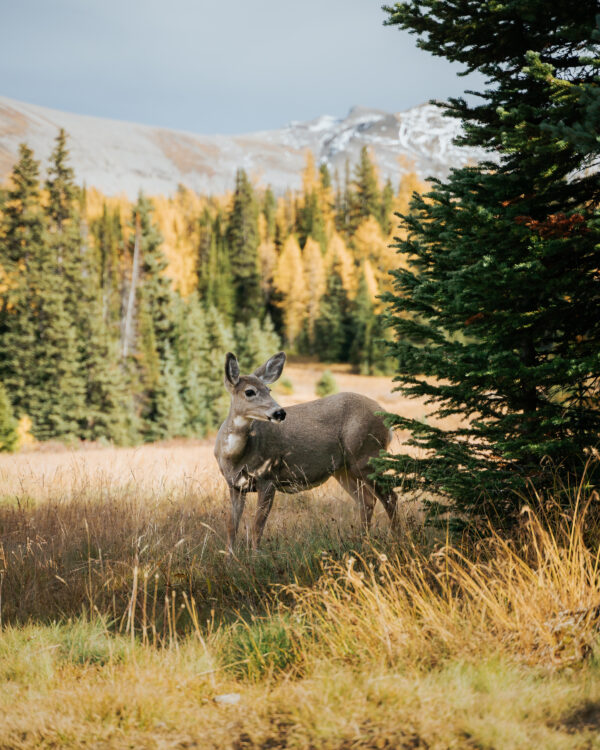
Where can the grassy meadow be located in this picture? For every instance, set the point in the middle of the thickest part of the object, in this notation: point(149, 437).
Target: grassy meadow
point(125, 625)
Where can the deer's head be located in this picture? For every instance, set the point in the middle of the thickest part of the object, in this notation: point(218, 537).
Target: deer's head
point(250, 394)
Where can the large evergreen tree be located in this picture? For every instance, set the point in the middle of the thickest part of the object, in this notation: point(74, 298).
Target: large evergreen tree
point(496, 319)
point(215, 283)
point(333, 328)
point(364, 197)
point(243, 239)
point(21, 241)
point(155, 327)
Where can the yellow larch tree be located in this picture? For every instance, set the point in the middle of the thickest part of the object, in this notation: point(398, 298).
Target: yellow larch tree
point(372, 285)
point(285, 217)
point(289, 282)
point(309, 175)
point(368, 241)
point(370, 245)
point(315, 281)
point(176, 219)
point(410, 182)
point(96, 200)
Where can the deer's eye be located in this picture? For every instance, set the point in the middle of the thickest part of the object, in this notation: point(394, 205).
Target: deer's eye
point(249, 392)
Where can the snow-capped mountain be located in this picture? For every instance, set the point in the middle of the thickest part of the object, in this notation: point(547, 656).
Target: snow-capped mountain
point(120, 157)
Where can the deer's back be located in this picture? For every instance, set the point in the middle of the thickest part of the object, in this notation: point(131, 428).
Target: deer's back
point(323, 436)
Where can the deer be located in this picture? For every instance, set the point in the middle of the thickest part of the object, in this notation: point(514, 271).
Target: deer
point(263, 448)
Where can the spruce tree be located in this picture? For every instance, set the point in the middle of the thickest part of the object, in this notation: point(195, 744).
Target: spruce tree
point(107, 235)
point(169, 417)
point(269, 209)
point(367, 350)
point(215, 284)
point(97, 395)
point(40, 364)
point(155, 327)
point(364, 198)
point(385, 213)
point(243, 239)
point(255, 343)
point(333, 327)
point(192, 348)
point(8, 423)
point(219, 342)
point(496, 318)
point(21, 241)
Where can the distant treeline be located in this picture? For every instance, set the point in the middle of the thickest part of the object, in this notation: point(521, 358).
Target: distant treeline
point(115, 317)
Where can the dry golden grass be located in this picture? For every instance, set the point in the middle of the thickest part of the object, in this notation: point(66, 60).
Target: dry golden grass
point(50, 471)
point(123, 620)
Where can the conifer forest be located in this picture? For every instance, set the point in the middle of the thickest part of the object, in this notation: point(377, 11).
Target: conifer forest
point(115, 317)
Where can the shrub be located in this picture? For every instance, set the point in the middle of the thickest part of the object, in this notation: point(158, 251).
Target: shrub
point(326, 385)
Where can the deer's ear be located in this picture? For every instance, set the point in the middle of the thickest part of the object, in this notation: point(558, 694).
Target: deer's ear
point(232, 371)
point(272, 368)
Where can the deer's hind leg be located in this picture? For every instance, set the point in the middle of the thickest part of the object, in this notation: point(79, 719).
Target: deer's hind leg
point(361, 471)
point(361, 493)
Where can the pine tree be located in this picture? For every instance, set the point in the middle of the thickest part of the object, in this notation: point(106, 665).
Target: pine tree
point(364, 199)
point(169, 416)
point(94, 388)
point(387, 206)
point(496, 319)
point(368, 350)
point(108, 238)
point(155, 327)
point(333, 327)
point(21, 240)
point(220, 341)
point(215, 283)
point(243, 239)
point(191, 348)
point(60, 185)
point(269, 209)
point(311, 223)
point(40, 359)
point(8, 423)
point(255, 343)
point(95, 375)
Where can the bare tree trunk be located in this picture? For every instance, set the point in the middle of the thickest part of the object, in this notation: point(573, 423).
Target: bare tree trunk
point(128, 321)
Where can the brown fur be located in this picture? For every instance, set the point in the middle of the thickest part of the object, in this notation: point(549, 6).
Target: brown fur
point(333, 436)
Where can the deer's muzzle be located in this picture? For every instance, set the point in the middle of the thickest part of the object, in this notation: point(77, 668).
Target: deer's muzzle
point(277, 416)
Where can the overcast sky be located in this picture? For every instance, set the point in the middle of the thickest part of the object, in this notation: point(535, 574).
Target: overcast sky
point(214, 66)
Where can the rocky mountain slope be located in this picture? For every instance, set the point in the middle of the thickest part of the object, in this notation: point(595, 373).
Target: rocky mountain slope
point(121, 157)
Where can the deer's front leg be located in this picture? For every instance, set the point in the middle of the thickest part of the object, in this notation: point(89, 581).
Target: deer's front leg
point(266, 493)
point(238, 498)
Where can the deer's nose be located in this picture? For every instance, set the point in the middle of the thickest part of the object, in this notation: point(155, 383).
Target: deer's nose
point(279, 415)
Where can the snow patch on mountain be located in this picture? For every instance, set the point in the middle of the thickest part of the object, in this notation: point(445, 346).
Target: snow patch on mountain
point(120, 157)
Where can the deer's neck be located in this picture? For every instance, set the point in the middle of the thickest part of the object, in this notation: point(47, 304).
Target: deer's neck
point(237, 432)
